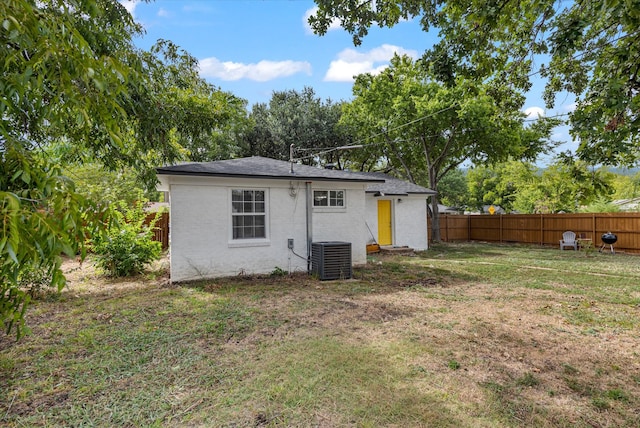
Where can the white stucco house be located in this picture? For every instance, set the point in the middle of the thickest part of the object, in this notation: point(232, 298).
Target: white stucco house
point(253, 215)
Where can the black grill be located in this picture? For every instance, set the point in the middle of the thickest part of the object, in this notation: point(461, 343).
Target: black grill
point(608, 239)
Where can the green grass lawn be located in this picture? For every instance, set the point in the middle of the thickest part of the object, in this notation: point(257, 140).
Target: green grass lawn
point(463, 335)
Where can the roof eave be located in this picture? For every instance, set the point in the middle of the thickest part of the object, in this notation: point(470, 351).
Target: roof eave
point(161, 171)
point(403, 194)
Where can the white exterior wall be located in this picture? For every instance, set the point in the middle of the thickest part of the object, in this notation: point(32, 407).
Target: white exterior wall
point(408, 217)
point(201, 240)
point(411, 222)
point(343, 224)
point(371, 218)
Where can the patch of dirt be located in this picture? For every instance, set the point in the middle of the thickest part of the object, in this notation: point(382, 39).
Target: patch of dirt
point(85, 277)
point(510, 345)
point(47, 401)
point(503, 341)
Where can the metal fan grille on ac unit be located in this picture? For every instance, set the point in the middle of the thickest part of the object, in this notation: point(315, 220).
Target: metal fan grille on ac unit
point(331, 260)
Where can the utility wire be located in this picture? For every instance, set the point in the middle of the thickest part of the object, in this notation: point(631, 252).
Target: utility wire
point(362, 143)
point(319, 152)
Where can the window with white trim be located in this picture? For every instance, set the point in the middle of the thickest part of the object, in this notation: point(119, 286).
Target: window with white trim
point(248, 213)
point(328, 198)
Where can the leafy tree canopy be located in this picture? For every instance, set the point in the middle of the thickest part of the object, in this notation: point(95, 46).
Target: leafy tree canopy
point(418, 127)
point(452, 189)
point(299, 118)
point(73, 82)
point(592, 47)
point(626, 186)
point(567, 185)
point(96, 183)
point(500, 184)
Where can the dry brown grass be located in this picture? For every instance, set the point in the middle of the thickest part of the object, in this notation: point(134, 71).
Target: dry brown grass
point(460, 336)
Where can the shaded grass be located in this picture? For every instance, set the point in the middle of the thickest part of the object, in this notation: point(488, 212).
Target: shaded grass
point(461, 335)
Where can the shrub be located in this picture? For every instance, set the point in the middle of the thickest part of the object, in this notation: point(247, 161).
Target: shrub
point(34, 278)
point(127, 245)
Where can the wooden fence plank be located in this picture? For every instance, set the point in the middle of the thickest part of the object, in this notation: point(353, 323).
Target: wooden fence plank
point(543, 229)
point(161, 229)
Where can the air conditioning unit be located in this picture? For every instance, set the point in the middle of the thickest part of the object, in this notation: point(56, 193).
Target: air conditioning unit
point(331, 260)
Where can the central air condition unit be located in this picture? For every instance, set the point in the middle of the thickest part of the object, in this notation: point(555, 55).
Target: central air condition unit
point(331, 260)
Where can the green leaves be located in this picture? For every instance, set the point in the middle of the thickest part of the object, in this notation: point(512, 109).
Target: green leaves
point(422, 129)
point(594, 49)
point(566, 185)
point(127, 245)
point(299, 118)
point(74, 85)
point(68, 69)
point(41, 218)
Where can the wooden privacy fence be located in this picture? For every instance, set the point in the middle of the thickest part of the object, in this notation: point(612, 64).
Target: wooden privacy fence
point(543, 229)
point(161, 230)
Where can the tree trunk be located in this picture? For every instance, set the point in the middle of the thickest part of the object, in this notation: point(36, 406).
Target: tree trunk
point(435, 213)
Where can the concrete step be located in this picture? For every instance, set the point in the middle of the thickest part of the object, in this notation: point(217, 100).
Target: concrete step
point(391, 249)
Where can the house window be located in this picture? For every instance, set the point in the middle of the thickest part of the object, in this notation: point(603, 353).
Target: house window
point(328, 198)
point(248, 214)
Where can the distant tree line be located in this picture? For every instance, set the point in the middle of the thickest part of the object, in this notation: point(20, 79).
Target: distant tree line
point(566, 185)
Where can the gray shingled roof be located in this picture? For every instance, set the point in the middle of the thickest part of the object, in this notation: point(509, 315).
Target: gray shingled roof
point(394, 186)
point(258, 166)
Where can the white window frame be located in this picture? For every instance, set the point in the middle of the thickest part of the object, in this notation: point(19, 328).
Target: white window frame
point(251, 241)
point(331, 199)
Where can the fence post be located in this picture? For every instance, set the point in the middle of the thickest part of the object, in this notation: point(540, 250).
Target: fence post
point(541, 229)
point(446, 227)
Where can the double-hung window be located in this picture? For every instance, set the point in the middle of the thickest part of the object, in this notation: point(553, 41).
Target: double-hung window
point(328, 198)
point(248, 214)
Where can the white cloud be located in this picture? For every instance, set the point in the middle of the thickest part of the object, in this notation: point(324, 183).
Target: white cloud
point(197, 8)
point(261, 72)
point(343, 71)
point(534, 112)
point(163, 13)
point(570, 107)
point(350, 62)
point(335, 23)
point(130, 5)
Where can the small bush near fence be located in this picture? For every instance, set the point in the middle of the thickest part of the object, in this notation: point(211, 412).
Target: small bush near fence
point(128, 245)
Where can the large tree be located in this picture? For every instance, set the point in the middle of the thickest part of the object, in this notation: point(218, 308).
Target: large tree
point(590, 48)
point(301, 119)
point(419, 127)
point(626, 186)
point(203, 120)
point(72, 79)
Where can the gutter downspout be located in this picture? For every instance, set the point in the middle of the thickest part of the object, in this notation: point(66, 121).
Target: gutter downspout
point(309, 223)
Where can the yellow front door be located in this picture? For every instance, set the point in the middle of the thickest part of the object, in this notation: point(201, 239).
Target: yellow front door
point(384, 223)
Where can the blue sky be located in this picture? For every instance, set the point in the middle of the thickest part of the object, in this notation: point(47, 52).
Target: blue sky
point(252, 48)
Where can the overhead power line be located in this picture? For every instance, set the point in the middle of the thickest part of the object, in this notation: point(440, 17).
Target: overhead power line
point(361, 143)
point(318, 151)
